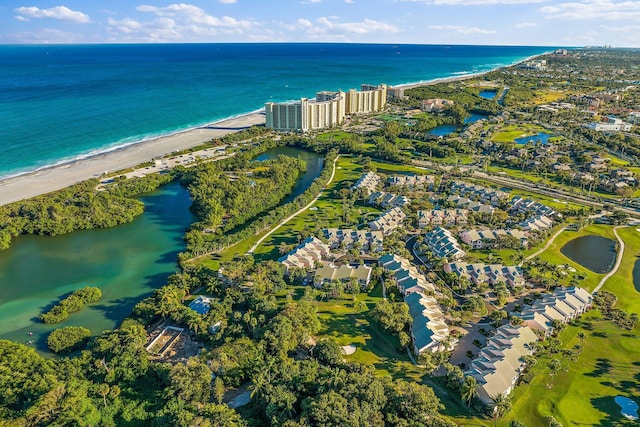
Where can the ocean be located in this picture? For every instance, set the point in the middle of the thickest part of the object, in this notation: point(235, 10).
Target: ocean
point(63, 102)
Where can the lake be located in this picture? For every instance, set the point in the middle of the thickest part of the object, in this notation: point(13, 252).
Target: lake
point(596, 253)
point(488, 93)
point(126, 262)
point(636, 275)
point(541, 137)
point(444, 130)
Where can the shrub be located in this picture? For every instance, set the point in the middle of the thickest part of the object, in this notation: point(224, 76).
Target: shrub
point(67, 339)
point(71, 304)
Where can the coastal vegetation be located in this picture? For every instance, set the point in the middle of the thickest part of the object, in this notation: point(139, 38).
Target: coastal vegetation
point(67, 339)
point(72, 304)
point(304, 353)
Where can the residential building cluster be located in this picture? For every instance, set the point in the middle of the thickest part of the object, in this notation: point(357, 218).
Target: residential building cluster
point(563, 305)
point(535, 65)
point(436, 105)
point(328, 272)
point(500, 363)
point(487, 273)
point(328, 109)
point(470, 205)
point(414, 182)
point(491, 196)
point(536, 223)
point(388, 221)
point(528, 206)
point(369, 182)
point(442, 244)
point(388, 200)
point(306, 255)
point(366, 240)
point(405, 275)
point(429, 332)
point(442, 217)
point(486, 239)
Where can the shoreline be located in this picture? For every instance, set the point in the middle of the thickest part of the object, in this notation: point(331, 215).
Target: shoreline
point(52, 178)
point(28, 184)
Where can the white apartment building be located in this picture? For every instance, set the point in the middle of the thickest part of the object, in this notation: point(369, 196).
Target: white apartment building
point(327, 110)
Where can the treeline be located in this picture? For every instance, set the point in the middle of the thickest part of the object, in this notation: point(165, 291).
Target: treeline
point(72, 304)
point(223, 201)
point(466, 98)
point(79, 207)
point(199, 243)
point(67, 339)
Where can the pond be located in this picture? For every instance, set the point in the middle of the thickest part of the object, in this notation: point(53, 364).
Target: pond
point(474, 118)
point(314, 161)
point(636, 275)
point(595, 253)
point(488, 93)
point(126, 262)
point(628, 408)
point(443, 130)
point(539, 138)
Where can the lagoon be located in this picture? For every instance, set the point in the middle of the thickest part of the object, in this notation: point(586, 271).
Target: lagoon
point(314, 162)
point(596, 253)
point(126, 262)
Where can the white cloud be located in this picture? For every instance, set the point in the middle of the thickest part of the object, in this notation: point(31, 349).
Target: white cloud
point(348, 1)
point(594, 9)
point(227, 1)
point(328, 28)
point(459, 29)
point(59, 12)
point(193, 15)
point(526, 25)
point(363, 27)
point(177, 22)
point(473, 2)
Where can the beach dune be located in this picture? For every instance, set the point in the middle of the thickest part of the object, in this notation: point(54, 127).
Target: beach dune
point(60, 176)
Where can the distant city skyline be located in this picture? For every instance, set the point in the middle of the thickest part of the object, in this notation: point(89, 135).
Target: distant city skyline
point(477, 22)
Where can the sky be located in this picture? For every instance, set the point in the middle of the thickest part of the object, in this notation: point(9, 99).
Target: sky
point(477, 22)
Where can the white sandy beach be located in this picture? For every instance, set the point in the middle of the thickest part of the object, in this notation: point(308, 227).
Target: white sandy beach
point(61, 176)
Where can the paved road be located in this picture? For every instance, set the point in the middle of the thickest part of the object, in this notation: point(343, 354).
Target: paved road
point(290, 217)
point(546, 246)
point(539, 189)
point(618, 260)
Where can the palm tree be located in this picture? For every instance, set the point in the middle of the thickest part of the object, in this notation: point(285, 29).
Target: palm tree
point(469, 389)
point(582, 337)
point(554, 367)
point(501, 405)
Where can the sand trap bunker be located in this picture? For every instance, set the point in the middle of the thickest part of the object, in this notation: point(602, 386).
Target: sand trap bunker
point(349, 349)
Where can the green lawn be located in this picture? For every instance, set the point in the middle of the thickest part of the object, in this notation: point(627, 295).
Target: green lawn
point(622, 283)
point(510, 133)
point(583, 394)
point(554, 256)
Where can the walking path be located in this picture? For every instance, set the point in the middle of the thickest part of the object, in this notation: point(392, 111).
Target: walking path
point(293, 215)
point(546, 246)
point(618, 260)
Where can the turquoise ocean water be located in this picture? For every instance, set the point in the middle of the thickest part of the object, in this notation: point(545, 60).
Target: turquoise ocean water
point(59, 103)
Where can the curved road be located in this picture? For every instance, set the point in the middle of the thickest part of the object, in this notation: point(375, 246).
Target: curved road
point(618, 260)
point(546, 246)
point(293, 215)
